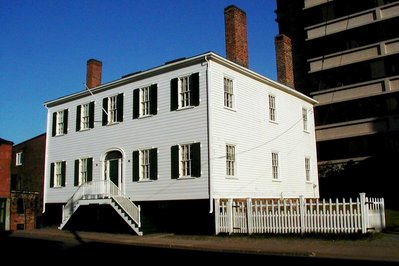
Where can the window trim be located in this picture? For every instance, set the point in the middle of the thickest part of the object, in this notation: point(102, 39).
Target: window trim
point(118, 109)
point(19, 158)
point(137, 165)
point(57, 173)
point(275, 167)
point(305, 119)
point(195, 161)
point(308, 176)
point(234, 161)
point(272, 108)
point(194, 92)
point(233, 104)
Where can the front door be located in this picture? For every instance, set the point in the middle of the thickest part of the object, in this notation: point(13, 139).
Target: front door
point(113, 167)
point(114, 171)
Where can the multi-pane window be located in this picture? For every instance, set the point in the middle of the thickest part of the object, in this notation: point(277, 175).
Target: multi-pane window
point(228, 92)
point(85, 116)
point(272, 108)
point(145, 165)
point(58, 174)
point(184, 92)
point(83, 171)
point(113, 109)
point(60, 123)
point(186, 160)
point(275, 165)
point(307, 169)
point(230, 160)
point(305, 119)
point(145, 101)
point(18, 158)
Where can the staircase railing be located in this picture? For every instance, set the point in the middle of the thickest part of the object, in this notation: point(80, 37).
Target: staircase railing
point(97, 190)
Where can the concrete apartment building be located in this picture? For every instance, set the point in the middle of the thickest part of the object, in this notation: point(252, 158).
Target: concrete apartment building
point(345, 54)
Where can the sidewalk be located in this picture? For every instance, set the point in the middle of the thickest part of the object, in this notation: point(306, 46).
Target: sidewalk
point(382, 247)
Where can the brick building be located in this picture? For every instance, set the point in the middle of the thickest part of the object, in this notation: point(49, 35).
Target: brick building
point(27, 175)
point(5, 175)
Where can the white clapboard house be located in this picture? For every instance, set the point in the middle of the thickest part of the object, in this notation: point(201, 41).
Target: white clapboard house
point(158, 146)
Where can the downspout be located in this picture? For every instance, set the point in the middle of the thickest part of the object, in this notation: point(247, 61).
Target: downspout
point(48, 135)
point(208, 114)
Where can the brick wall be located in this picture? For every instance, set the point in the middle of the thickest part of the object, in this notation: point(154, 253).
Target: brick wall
point(5, 163)
point(285, 73)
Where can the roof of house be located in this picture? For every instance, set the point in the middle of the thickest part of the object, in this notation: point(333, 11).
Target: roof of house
point(4, 141)
point(175, 64)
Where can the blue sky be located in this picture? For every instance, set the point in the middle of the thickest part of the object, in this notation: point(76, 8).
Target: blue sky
point(45, 45)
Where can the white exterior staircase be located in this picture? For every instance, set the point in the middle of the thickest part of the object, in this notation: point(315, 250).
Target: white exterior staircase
point(103, 192)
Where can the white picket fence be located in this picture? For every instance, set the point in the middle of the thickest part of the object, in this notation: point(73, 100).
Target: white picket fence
point(290, 216)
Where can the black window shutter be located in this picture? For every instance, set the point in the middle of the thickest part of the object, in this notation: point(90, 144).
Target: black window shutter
point(136, 103)
point(196, 160)
point(174, 104)
point(194, 87)
point(52, 175)
point(78, 112)
point(119, 103)
point(54, 124)
point(65, 121)
point(153, 99)
point(105, 107)
point(76, 178)
point(89, 169)
point(91, 115)
point(136, 165)
point(153, 164)
point(63, 169)
point(174, 157)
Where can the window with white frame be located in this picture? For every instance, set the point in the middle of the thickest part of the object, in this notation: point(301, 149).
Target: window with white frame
point(186, 160)
point(145, 164)
point(58, 174)
point(305, 119)
point(60, 123)
point(307, 169)
point(83, 171)
point(85, 117)
point(275, 174)
point(230, 160)
point(18, 158)
point(145, 101)
point(113, 109)
point(184, 92)
point(272, 108)
point(228, 92)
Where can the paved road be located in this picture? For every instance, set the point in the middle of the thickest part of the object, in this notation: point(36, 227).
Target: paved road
point(99, 248)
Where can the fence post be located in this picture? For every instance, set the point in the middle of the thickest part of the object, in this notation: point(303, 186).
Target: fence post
point(364, 212)
point(217, 216)
point(382, 213)
point(230, 215)
point(302, 212)
point(249, 216)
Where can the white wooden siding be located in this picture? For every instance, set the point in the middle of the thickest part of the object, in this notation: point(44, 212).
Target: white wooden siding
point(255, 137)
point(160, 131)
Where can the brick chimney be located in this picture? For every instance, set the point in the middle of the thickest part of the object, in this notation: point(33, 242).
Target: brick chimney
point(285, 72)
point(93, 74)
point(235, 21)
